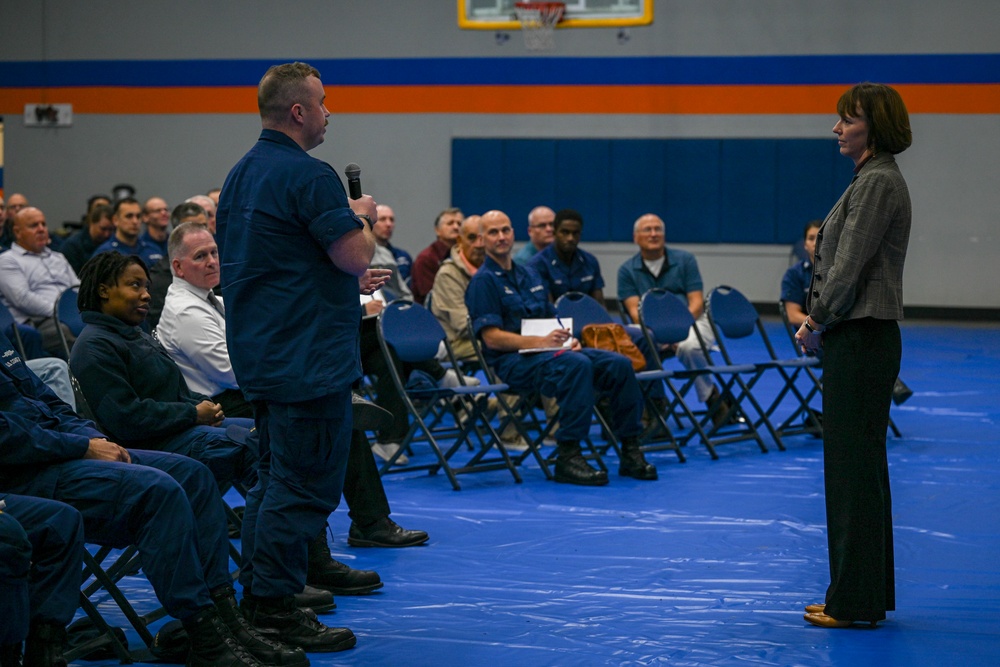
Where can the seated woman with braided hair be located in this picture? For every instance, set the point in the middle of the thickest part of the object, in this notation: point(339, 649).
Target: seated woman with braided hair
point(133, 387)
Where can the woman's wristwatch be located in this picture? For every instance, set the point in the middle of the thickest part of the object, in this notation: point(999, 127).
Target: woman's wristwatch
point(813, 330)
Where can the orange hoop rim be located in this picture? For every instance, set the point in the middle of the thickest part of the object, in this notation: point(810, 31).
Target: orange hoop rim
point(544, 7)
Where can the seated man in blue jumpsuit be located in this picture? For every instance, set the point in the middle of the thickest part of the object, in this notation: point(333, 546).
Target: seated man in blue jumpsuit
point(41, 554)
point(500, 296)
point(165, 504)
point(564, 266)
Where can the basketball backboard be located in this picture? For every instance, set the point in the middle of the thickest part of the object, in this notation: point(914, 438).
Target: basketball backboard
point(500, 15)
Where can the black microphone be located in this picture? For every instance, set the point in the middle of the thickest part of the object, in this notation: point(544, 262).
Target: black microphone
point(353, 173)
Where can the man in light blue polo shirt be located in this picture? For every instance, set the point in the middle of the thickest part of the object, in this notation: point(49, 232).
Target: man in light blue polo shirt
point(656, 265)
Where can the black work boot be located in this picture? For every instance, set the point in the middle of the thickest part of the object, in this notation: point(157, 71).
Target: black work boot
point(212, 644)
point(319, 601)
point(44, 645)
point(294, 626)
point(572, 468)
point(10, 655)
point(633, 463)
point(264, 649)
point(330, 575)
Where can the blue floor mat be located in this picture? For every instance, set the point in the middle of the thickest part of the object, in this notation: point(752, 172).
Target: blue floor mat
point(709, 565)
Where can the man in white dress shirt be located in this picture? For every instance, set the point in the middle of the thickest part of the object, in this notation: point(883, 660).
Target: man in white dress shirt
point(32, 277)
point(192, 326)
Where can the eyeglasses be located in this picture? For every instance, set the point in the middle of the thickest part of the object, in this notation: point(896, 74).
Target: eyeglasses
point(651, 230)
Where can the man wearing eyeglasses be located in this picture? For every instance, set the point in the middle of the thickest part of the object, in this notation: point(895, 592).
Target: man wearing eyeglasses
point(500, 296)
point(675, 270)
point(541, 230)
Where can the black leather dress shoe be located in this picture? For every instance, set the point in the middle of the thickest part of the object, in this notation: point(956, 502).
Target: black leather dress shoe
point(385, 533)
point(634, 464)
point(368, 416)
point(575, 470)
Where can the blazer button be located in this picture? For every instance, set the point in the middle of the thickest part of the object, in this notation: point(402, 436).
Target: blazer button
point(817, 256)
point(818, 277)
point(815, 294)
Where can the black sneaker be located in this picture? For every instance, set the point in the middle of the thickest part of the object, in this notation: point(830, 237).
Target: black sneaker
point(294, 626)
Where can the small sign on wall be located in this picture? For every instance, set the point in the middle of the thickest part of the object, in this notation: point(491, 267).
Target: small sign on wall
point(48, 115)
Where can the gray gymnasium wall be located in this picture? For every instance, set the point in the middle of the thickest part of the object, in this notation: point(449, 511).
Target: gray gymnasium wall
point(951, 168)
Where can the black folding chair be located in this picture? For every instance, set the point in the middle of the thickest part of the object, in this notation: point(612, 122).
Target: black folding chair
point(667, 321)
point(733, 317)
point(414, 335)
point(584, 310)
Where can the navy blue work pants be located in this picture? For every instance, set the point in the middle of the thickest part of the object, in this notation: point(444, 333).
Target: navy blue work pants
point(229, 461)
point(304, 450)
point(41, 556)
point(166, 504)
point(573, 379)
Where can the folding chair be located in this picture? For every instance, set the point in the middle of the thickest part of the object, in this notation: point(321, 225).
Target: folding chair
point(96, 578)
point(667, 321)
point(67, 312)
point(817, 382)
point(586, 310)
point(522, 413)
point(415, 335)
point(733, 317)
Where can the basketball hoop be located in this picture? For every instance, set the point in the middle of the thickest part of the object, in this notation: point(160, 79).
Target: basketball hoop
point(538, 23)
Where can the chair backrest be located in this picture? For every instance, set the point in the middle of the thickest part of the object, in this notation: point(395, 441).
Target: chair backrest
point(68, 312)
point(584, 310)
point(666, 316)
point(412, 331)
point(733, 317)
point(731, 312)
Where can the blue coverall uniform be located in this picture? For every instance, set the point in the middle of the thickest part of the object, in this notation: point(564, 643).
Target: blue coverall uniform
point(292, 319)
point(166, 504)
point(499, 298)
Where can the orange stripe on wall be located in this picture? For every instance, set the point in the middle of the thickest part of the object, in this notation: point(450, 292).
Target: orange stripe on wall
point(739, 100)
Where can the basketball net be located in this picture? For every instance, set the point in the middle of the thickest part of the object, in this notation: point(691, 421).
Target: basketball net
point(538, 23)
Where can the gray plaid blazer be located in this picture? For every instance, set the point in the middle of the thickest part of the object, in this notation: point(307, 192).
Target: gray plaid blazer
point(861, 247)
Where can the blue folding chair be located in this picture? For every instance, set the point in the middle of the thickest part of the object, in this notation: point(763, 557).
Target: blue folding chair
point(66, 311)
point(415, 335)
point(733, 317)
point(585, 310)
point(667, 321)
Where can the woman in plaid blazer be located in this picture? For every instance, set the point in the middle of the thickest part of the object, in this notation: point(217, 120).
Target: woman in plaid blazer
point(854, 302)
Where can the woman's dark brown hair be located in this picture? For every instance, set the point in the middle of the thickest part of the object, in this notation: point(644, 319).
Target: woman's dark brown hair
point(883, 108)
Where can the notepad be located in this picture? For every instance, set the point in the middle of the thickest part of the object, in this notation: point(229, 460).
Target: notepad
point(543, 327)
